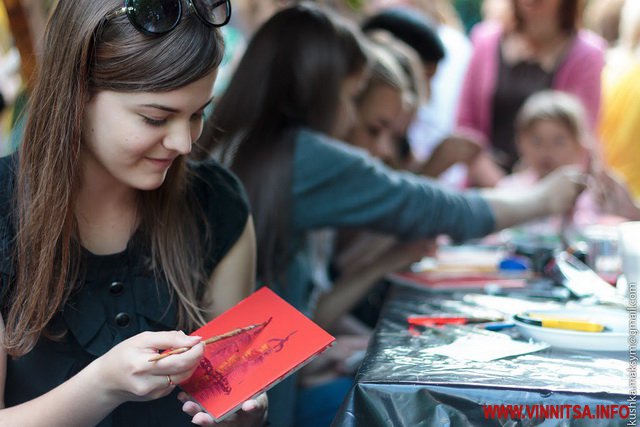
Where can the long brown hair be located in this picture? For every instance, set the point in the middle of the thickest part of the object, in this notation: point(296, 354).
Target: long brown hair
point(84, 53)
point(290, 77)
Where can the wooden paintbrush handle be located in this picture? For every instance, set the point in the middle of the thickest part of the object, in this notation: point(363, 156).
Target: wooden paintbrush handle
point(211, 340)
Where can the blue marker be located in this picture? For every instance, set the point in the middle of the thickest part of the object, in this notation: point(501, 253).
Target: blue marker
point(498, 326)
point(515, 263)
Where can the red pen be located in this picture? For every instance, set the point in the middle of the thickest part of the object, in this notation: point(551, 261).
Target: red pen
point(444, 320)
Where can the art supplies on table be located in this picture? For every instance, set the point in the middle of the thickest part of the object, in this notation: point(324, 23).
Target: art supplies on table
point(540, 289)
point(462, 259)
point(437, 282)
point(509, 306)
point(467, 267)
point(256, 343)
point(582, 281)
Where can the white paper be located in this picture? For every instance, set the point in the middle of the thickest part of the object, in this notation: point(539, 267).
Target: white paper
point(484, 348)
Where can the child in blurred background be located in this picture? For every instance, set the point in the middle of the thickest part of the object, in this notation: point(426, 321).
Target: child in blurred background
point(551, 132)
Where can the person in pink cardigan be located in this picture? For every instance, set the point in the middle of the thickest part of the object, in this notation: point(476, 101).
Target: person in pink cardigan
point(543, 49)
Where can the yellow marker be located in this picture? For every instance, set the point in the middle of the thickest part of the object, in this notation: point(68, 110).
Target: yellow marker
point(574, 325)
point(547, 321)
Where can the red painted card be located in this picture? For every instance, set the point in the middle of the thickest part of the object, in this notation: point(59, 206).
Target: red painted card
point(238, 368)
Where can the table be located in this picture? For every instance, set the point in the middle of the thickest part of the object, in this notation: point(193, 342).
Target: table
point(399, 384)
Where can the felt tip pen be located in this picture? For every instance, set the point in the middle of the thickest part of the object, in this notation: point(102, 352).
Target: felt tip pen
point(445, 320)
point(498, 326)
point(561, 323)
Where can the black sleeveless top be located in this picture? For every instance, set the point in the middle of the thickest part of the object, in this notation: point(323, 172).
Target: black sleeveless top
point(516, 82)
point(118, 298)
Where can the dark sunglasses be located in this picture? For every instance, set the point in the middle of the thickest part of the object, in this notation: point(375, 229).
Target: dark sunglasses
point(161, 16)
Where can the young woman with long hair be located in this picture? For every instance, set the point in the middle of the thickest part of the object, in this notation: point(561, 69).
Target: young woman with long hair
point(110, 241)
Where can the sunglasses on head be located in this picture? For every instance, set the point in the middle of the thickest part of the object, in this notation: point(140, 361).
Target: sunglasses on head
point(161, 16)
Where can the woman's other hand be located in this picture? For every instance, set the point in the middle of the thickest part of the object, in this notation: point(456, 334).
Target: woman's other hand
point(252, 414)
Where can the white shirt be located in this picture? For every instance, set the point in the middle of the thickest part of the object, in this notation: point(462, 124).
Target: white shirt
point(436, 120)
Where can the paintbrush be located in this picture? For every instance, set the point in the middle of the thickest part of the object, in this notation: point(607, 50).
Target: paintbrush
point(211, 340)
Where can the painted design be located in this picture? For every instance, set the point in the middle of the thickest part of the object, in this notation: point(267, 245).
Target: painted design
point(229, 360)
